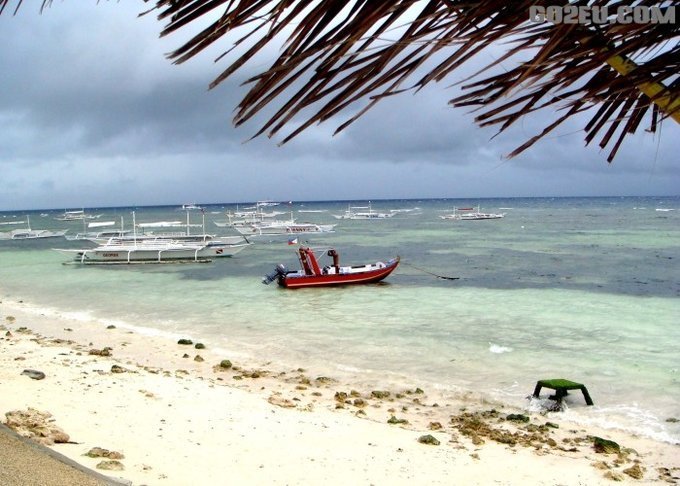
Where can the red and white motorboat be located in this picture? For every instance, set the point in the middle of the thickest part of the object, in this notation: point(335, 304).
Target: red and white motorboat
point(313, 275)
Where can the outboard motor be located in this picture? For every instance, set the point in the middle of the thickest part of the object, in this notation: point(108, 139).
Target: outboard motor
point(269, 278)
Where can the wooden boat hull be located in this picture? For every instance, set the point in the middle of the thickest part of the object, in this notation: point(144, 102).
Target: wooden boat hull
point(291, 281)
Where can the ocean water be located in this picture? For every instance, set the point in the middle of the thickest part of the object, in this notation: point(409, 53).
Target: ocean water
point(580, 288)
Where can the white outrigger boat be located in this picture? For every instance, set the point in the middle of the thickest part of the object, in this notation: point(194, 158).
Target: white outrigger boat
point(140, 252)
point(157, 249)
point(249, 215)
point(469, 214)
point(30, 234)
point(362, 212)
point(282, 228)
point(145, 251)
point(76, 215)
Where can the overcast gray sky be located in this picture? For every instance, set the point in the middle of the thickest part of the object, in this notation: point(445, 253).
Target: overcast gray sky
point(92, 114)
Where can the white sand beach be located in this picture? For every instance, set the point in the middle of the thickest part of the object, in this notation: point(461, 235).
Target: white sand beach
point(177, 417)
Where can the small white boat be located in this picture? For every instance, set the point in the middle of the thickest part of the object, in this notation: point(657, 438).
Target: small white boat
point(30, 234)
point(470, 214)
point(362, 212)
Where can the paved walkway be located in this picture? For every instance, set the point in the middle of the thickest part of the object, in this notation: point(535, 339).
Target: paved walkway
point(27, 463)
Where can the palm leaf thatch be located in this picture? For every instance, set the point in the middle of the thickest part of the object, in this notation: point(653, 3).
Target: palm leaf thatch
point(338, 52)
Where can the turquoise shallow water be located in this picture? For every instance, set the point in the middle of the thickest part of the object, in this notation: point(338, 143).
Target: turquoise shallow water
point(580, 288)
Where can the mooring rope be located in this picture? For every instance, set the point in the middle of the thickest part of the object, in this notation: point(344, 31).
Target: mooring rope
point(428, 272)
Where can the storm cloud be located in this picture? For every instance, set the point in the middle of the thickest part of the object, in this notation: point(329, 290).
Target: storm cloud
point(93, 114)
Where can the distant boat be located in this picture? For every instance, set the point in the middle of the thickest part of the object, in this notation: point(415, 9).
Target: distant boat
point(30, 234)
point(267, 203)
point(282, 228)
point(249, 215)
point(312, 275)
point(77, 215)
point(470, 214)
point(190, 207)
point(362, 212)
point(404, 210)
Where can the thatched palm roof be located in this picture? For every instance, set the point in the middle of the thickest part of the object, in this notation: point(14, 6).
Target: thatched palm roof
point(340, 52)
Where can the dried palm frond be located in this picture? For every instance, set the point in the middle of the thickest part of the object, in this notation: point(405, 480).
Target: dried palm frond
point(337, 52)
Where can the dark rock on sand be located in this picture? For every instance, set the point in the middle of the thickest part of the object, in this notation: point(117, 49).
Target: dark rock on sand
point(225, 364)
point(428, 439)
point(35, 374)
point(517, 417)
point(100, 452)
point(185, 341)
point(199, 346)
point(605, 446)
point(111, 466)
point(394, 420)
point(635, 472)
point(324, 379)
